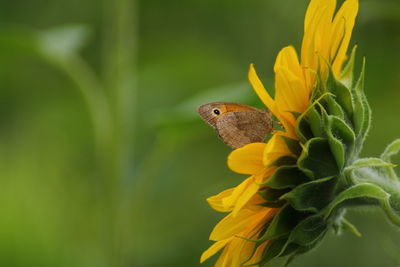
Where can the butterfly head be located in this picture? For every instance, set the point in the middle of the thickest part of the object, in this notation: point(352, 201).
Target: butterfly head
point(211, 112)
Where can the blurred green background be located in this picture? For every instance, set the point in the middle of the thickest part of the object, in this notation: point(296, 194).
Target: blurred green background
point(104, 161)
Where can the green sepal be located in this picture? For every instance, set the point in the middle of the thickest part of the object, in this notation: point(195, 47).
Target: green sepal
point(315, 121)
point(309, 124)
point(342, 93)
point(312, 196)
point(309, 231)
point(295, 114)
point(300, 250)
point(272, 195)
point(286, 177)
point(292, 144)
point(341, 139)
point(359, 111)
point(288, 160)
point(271, 251)
point(333, 107)
point(362, 114)
point(316, 161)
point(341, 130)
point(346, 76)
point(282, 223)
point(288, 249)
point(304, 237)
point(391, 150)
point(369, 162)
point(365, 190)
point(345, 225)
point(274, 204)
point(303, 130)
point(367, 108)
point(338, 150)
point(340, 224)
point(382, 182)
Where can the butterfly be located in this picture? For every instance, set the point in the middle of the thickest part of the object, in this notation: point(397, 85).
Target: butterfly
point(237, 124)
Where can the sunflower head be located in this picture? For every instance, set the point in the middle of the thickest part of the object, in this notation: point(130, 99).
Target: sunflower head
point(304, 177)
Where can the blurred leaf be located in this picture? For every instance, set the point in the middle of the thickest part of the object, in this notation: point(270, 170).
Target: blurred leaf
point(55, 43)
point(62, 41)
point(187, 110)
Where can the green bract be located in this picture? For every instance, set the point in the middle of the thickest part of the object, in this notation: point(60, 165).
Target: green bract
point(328, 176)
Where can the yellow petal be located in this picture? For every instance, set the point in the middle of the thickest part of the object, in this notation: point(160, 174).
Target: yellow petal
point(242, 200)
point(268, 101)
point(217, 246)
point(225, 258)
point(216, 202)
point(261, 91)
point(245, 249)
point(338, 34)
point(348, 12)
point(316, 40)
point(238, 249)
point(276, 148)
point(291, 91)
point(287, 58)
point(255, 202)
point(257, 255)
point(259, 179)
point(314, 8)
point(323, 33)
point(247, 159)
point(234, 225)
point(229, 202)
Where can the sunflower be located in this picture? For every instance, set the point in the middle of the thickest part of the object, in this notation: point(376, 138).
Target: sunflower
point(326, 39)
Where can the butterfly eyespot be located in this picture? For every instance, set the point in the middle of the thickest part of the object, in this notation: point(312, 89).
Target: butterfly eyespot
point(216, 111)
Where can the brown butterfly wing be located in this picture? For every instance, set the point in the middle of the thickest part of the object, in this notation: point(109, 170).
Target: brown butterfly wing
point(240, 128)
point(206, 111)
